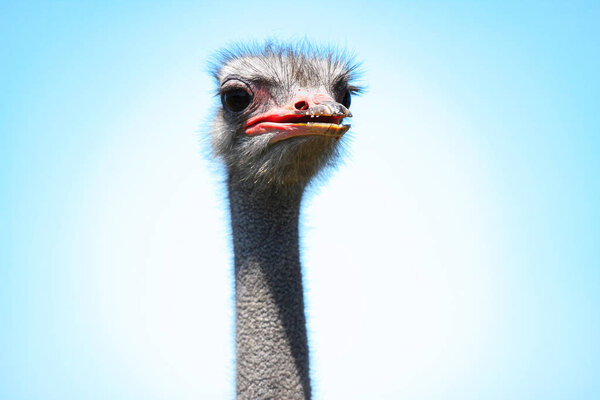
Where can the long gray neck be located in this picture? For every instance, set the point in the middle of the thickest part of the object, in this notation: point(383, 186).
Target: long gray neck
point(271, 344)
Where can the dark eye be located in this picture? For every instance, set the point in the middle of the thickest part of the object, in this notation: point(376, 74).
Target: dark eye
point(347, 99)
point(236, 99)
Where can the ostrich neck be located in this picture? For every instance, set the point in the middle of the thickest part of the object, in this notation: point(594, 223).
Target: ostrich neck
point(271, 343)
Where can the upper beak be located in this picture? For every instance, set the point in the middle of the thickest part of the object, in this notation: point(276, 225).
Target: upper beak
point(325, 111)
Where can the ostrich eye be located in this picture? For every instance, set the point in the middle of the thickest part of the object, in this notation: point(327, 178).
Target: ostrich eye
point(236, 99)
point(347, 99)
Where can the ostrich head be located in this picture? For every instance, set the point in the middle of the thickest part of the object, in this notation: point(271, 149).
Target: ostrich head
point(282, 113)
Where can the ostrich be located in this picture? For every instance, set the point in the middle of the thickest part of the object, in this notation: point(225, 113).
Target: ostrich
point(278, 125)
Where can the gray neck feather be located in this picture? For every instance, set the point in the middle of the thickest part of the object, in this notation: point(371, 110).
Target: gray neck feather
point(271, 343)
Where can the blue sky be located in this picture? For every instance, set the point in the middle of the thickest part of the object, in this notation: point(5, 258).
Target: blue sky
point(454, 255)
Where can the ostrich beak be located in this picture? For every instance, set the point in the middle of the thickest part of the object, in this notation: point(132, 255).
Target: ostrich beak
point(317, 119)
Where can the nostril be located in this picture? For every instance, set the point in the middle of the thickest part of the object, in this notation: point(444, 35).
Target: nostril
point(301, 105)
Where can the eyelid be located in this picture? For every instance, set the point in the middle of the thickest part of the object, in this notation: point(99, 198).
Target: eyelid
point(238, 84)
point(355, 89)
point(231, 78)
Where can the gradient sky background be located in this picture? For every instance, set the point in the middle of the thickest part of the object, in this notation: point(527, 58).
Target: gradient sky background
point(454, 255)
